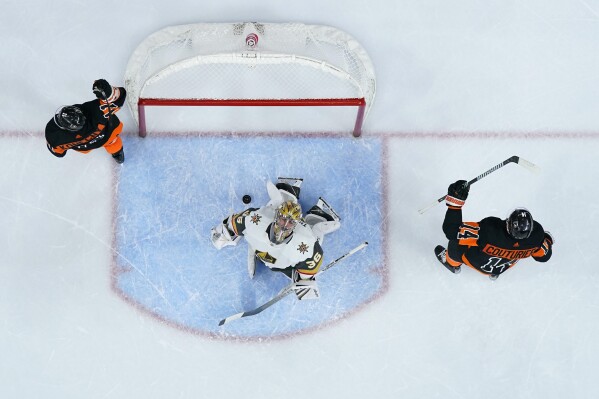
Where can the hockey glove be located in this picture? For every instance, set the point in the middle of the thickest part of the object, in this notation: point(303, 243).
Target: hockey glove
point(222, 237)
point(102, 89)
point(543, 254)
point(457, 193)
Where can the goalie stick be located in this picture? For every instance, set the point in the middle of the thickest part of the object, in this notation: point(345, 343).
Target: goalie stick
point(513, 159)
point(287, 290)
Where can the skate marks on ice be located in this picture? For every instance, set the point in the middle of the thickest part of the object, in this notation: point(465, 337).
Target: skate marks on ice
point(174, 189)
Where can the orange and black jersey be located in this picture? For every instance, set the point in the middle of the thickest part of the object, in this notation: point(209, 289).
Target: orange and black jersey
point(486, 245)
point(98, 127)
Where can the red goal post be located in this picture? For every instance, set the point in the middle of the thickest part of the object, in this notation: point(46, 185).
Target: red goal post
point(247, 65)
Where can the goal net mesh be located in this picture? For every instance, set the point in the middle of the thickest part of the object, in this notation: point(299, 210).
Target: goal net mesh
point(249, 61)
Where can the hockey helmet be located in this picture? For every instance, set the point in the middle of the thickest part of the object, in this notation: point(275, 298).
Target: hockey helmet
point(286, 217)
point(519, 224)
point(69, 117)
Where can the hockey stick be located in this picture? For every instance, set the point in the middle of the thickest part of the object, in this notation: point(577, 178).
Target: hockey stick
point(515, 159)
point(289, 289)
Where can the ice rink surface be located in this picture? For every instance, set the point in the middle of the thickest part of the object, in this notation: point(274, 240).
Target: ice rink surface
point(168, 266)
point(109, 287)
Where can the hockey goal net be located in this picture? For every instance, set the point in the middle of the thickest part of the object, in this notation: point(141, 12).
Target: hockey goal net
point(249, 65)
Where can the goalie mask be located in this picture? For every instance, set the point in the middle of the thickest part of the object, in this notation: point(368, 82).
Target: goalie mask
point(69, 118)
point(519, 224)
point(286, 218)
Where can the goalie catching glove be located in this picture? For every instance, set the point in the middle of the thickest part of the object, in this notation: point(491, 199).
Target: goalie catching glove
point(457, 193)
point(304, 288)
point(221, 236)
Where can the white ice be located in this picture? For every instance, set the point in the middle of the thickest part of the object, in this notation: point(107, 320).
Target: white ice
point(462, 85)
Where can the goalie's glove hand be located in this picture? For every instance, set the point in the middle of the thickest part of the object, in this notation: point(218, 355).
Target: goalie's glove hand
point(220, 236)
point(457, 193)
point(102, 89)
point(305, 288)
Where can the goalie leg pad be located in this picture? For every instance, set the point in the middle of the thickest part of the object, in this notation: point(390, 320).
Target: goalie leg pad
point(251, 261)
point(290, 185)
point(323, 209)
point(312, 219)
point(323, 228)
point(323, 219)
point(292, 181)
point(273, 193)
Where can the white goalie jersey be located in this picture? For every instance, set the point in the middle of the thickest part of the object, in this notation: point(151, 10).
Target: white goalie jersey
point(300, 250)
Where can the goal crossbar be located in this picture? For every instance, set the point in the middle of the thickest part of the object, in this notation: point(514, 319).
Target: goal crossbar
point(210, 102)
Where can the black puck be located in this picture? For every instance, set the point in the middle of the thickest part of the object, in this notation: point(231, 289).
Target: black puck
point(246, 199)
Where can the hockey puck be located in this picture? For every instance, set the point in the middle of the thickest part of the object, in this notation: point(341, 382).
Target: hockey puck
point(246, 199)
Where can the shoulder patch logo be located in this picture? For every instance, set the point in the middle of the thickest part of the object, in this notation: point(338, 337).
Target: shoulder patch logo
point(256, 218)
point(303, 248)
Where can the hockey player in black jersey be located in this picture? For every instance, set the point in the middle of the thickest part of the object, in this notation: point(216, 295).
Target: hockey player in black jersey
point(85, 127)
point(492, 245)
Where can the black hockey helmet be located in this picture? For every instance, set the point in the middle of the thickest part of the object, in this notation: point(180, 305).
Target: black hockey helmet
point(519, 224)
point(69, 117)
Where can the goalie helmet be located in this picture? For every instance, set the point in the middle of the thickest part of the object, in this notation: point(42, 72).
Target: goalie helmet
point(286, 217)
point(69, 117)
point(519, 224)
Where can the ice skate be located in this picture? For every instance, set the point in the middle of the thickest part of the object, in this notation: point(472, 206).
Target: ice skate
point(441, 254)
point(119, 156)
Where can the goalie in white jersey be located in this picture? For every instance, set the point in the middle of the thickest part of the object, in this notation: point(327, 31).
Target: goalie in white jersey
point(278, 236)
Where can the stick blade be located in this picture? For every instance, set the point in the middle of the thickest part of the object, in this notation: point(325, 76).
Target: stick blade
point(426, 208)
point(528, 165)
point(231, 318)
